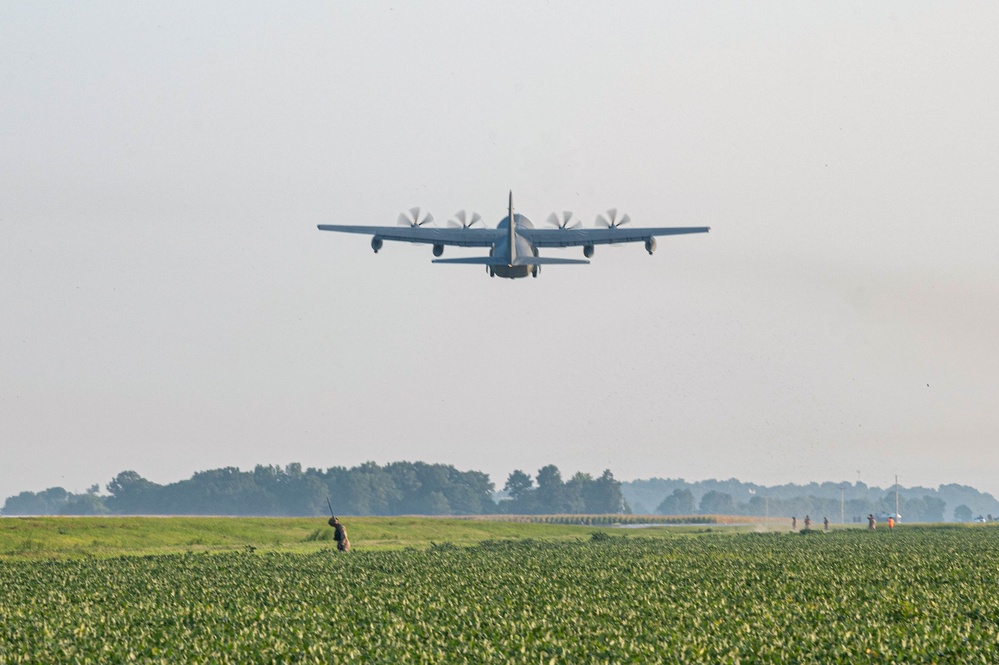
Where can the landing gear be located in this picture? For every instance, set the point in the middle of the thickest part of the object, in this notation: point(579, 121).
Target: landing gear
point(535, 270)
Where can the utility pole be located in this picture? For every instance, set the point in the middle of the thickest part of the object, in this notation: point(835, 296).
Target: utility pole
point(896, 496)
point(766, 503)
point(842, 505)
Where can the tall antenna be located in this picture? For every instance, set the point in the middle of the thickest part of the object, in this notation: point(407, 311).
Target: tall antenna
point(842, 505)
point(896, 496)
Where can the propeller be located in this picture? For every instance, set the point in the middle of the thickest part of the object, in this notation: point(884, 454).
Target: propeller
point(463, 221)
point(412, 218)
point(610, 219)
point(563, 220)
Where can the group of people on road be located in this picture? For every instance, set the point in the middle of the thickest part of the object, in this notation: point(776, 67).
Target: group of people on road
point(872, 523)
point(808, 523)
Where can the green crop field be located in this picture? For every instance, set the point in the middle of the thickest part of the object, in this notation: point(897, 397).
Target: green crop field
point(852, 596)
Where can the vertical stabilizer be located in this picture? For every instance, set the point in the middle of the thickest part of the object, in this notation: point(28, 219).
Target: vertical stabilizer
point(513, 233)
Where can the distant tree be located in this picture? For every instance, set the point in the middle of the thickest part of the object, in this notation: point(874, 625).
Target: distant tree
point(56, 501)
point(962, 513)
point(406, 481)
point(85, 504)
point(757, 505)
point(304, 495)
point(581, 494)
point(603, 495)
point(370, 490)
point(46, 502)
point(551, 490)
point(435, 503)
point(131, 494)
point(470, 492)
point(262, 493)
point(577, 496)
point(919, 509)
point(956, 495)
point(680, 502)
point(518, 484)
point(428, 497)
point(412, 488)
point(523, 494)
point(225, 491)
point(420, 488)
point(717, 503)
point(934, 511)
point(855, 499)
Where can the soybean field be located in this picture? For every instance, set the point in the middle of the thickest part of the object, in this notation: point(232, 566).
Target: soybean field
point(912, 595)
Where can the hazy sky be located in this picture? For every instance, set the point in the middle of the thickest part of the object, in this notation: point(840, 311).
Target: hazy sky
point(168, 305)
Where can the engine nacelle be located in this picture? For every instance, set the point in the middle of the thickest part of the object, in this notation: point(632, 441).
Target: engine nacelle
point(588, 251)
point(376, 243)
point(650, 245)
point(438, 250)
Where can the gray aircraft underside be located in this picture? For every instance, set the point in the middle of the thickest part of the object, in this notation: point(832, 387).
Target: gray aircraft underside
point(513, 249)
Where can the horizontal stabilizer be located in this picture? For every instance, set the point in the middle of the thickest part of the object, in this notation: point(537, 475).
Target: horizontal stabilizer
point(519, 261)
point(546, 261)
point(475, 260)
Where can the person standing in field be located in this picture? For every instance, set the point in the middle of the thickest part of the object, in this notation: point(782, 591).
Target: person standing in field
point(825, 523)
point(340, 535)
point(794, 523)
point(891, 522)
point(808, 522)
point(871, 521)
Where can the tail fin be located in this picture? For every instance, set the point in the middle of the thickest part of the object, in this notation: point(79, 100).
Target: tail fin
point(513, 232)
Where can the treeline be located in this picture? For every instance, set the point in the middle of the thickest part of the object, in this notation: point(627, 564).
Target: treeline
point(674, 496)
point(582, 494)
point(417, 488)
point(919, 509)
point(55, 501)
point(399, 488)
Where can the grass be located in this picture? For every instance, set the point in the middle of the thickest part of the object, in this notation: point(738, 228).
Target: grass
point(77, 537)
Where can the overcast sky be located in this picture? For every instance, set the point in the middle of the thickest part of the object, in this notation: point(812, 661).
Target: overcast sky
point(167, 304)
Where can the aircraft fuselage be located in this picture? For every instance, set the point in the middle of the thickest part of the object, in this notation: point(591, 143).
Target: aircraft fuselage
point(523, 248)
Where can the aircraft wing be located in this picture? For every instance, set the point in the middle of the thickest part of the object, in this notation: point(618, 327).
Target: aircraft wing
point(576, 237)
point(458, 237)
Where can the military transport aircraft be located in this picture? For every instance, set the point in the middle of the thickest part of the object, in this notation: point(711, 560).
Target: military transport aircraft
point(513, 246)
